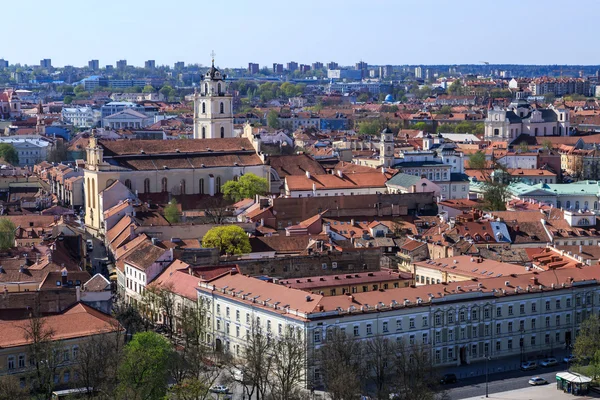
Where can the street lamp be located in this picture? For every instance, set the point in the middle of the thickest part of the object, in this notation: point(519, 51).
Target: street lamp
point(487, 358)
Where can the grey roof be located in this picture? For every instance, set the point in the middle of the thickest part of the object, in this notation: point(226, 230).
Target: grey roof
point(458, 177)
point(403, 180)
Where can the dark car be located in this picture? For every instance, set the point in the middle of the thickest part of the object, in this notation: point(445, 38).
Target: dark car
point(448, 378)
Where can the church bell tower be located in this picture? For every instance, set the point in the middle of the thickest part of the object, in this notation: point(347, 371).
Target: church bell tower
point(213, 113)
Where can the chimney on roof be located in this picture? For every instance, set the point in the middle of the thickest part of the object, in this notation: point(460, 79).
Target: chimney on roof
point(340, 173)
point(308, 174)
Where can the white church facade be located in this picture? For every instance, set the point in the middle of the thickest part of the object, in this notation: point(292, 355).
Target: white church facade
point(521, 118)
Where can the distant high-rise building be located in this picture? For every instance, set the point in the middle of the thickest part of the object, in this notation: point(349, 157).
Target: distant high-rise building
point(46, 63)
point(179, 65)
point(253, 68)
point(332, 65)
point(418, 72)
point(94, 65)
point(427, 74)
point(121, 64)
point(109, 68)
point(304, 68)
point(385, 71)
point(3, 63)
point(317, 65)
point(292, 66)
point(361, 65)
point(277, 68)
point(150, 64)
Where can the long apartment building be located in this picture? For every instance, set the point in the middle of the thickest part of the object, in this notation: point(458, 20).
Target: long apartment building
point(458, 322)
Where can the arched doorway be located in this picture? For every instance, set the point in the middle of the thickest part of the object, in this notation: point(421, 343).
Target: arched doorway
point(218, 345)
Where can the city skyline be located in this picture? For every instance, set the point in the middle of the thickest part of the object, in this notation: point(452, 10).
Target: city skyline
point(409, 33)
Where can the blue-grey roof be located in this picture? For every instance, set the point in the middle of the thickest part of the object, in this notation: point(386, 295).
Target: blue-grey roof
point(458, 177)
point(403, 180)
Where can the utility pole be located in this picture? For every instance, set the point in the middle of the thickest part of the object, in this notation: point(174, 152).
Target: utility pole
point(487, 358)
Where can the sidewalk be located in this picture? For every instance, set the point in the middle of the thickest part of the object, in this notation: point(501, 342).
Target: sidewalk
point(547, 392)
point(495, 366)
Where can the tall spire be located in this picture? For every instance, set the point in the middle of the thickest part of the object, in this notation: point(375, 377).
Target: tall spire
point(212, 55)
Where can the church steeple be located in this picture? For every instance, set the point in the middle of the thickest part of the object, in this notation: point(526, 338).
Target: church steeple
point(213, 113)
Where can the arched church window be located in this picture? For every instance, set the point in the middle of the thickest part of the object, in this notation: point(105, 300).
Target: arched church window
point(203, 132)
point(222, 132)
point(203, 108)
point(584, 221)
point(146, 185)
point(128, 183)
point(218, 184)
point(221, 108)
point(164, 184)
point(201, 186)
point(93, 193)
point(89, 190)
point(182, 186)
point(206, 88)
point(577, 205)
point(219, 88)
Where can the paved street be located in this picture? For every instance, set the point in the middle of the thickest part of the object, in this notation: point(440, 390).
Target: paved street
point(501, 382)
point(547, 392)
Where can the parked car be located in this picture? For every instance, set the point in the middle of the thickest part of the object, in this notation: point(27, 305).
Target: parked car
point(549, 362)
point(89, 245)
point(448, 378)
point(528, 366)
point(569, 359)
point(536, 380)
point(220, 389)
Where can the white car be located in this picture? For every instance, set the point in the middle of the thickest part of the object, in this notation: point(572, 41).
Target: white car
point(536, 380)
point(529, 365)
point(549, 362)
point(220, 389)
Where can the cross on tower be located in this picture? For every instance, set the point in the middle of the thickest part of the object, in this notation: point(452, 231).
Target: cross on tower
point(212, 55)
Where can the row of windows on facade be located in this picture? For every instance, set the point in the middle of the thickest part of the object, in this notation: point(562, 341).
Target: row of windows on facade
point(221, 108)
point(463, 331)
point(204, 132)
point(568, 203)
point(182, 185)
point(19, 361)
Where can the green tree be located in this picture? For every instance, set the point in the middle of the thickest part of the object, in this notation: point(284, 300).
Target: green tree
point(477, 160)
point(456, 88)
point(68, 100)
point(273, 119)
point(143, 372)
point(167, 91)
point(445, 110)
point(363, 97)
point(247, 186)
point(229, 239)
point(495, 195)
point(523, 147)
point(7, 233)
point(171, 212)
point(148, 89)
point(78, 89)
point(423, 126)
point(369, 128)
point(9, 154)
point(58, 153)
point(547, 145)
point(587, 343)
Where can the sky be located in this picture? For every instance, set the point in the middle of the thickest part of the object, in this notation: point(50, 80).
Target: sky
point(379, 32)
